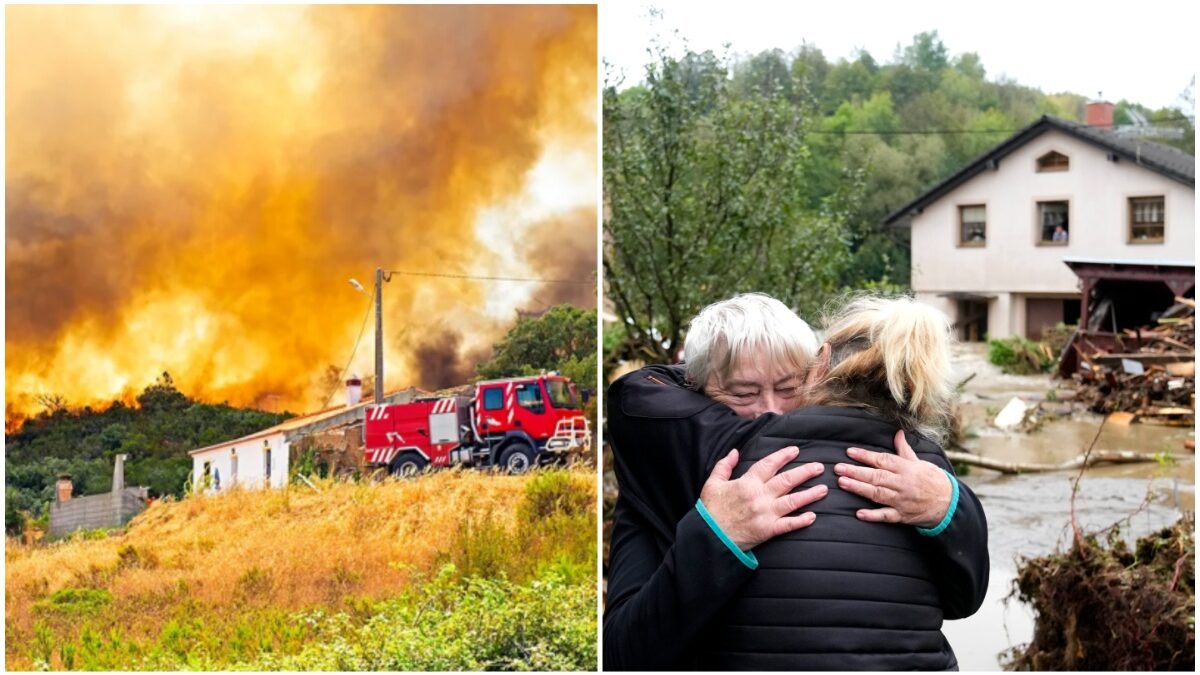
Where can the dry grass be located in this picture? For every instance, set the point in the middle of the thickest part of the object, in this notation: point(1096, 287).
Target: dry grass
point(284, 549)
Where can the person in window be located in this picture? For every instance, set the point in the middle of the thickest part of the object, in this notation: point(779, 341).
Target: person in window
point(853, 583)
point(1060, 234)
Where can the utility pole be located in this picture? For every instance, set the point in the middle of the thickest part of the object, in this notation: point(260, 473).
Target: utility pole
point(378, 335)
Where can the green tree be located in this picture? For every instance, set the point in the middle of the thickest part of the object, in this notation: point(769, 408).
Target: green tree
point(162, 395)
point(704, 188)
point(766, 74)
point(563, 339)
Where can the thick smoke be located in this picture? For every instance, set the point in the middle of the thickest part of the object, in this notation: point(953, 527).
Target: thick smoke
point(190, 188)
point(571, 264)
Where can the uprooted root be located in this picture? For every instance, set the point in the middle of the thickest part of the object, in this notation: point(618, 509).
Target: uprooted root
point(1101, 606)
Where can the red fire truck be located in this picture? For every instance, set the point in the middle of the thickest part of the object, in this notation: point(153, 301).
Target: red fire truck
point(514, 423)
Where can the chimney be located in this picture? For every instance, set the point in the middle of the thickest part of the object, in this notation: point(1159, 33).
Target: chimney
point(119, 473)
point(64, 488)
point(1100, 114)
point(353, 390)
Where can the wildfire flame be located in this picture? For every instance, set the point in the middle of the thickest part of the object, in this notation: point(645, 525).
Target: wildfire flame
point(190, 188)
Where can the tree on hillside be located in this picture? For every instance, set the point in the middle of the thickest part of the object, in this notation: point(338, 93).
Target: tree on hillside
point(704, 189)
point(562, 339)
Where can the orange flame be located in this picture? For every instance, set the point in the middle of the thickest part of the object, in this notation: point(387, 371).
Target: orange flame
point(190, 188)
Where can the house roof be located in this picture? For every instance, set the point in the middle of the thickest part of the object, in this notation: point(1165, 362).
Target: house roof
point(1125, 261)
point(1170, 162)
point(312, 420)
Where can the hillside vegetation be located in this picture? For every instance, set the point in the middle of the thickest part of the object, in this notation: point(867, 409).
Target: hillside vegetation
point(452, 570)
point(777, 171)
point(156, 433)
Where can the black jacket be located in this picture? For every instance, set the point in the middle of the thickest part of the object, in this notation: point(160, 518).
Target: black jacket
point(841, 594)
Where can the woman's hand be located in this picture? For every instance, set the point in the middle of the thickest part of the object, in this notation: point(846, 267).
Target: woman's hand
point(755, 507)
point(912, 491)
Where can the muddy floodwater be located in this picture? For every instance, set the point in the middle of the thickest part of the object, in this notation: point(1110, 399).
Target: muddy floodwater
point(1029, 514)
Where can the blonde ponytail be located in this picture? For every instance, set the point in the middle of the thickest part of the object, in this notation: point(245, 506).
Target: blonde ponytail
point(891, 356)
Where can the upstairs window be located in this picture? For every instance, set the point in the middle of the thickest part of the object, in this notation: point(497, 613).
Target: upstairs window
point(1147, 220)
point(972, 229)
point(1055, 222)
point(1053, 161)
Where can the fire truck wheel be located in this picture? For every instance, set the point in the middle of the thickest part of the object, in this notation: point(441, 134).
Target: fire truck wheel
point(517, 459)
point(408, 464)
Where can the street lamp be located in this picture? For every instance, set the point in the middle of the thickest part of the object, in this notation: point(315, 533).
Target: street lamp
point(379, 279)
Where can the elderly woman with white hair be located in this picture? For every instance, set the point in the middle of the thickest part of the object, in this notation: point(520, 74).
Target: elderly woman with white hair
point(714, 567)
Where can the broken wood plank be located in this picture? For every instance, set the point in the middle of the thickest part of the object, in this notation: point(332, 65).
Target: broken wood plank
point(1186, 301)
point(1114, 360)
point(1181, 369)
point(1166, 411)
point(1096, 457)
point(1167, 421)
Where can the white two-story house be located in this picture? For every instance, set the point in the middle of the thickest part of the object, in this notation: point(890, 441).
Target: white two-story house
point(989, 242)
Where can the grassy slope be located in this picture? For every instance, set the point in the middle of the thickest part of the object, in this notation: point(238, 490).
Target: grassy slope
point(296, 579)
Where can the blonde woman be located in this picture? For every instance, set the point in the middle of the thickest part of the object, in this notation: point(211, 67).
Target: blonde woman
point(891, 543)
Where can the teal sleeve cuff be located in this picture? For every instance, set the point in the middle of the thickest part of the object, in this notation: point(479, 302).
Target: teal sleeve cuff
point(746, 557)
point(933, 532)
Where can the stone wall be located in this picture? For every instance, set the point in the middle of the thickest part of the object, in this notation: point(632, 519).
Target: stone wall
point(109, 510)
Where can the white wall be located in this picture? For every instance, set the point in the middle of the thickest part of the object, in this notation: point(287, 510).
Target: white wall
point(1012, 262)
point(251, 463)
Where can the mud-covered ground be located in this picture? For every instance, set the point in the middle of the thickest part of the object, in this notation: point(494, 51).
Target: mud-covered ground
point(1028, 515)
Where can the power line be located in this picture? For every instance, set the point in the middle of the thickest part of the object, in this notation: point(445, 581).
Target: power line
point(354, 351)
point(487, 278)
point(918, 132)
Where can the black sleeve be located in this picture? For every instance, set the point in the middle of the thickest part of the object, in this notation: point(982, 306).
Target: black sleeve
point(657, 605)
point(960, 552)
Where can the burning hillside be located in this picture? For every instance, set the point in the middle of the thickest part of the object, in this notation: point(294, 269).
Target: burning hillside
point(189, 189)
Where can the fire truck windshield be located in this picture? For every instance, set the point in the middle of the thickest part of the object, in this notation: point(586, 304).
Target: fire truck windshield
point(560, 394)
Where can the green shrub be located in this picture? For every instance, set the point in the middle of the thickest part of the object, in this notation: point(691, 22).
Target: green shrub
point(457, 624)
point(1016, 355)
point(554, 491)
point(76, 601)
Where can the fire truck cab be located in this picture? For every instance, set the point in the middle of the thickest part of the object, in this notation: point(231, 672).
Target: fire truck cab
point(514, 423)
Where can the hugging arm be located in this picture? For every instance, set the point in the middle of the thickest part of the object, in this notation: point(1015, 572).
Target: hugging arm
point(658, 604)
point(924, 492)
point(960, 554)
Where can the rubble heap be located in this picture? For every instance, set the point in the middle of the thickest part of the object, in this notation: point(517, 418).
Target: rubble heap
point(1155, 382)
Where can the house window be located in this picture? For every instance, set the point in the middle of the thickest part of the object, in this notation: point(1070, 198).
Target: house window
point(267, 461)
point(1053, 161)
point(1147, 219)
point(493, 399)
point(233, 466)
point(972, 225)
point(1055, 222)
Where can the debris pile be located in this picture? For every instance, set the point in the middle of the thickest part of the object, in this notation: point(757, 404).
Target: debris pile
point(1103, 606)
point(1151, 374)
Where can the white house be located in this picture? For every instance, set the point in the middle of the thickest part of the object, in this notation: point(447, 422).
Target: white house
point(263, 459)
point(989, 242)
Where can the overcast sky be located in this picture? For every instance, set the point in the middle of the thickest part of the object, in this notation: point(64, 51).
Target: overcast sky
point(1144, 52)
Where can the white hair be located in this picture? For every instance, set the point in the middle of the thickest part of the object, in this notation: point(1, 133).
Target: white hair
point(725, 331)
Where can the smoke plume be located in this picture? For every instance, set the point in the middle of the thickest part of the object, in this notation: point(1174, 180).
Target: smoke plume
point(190, 188)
